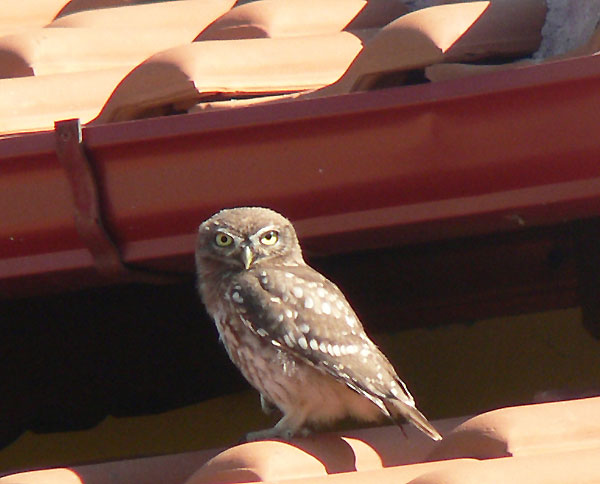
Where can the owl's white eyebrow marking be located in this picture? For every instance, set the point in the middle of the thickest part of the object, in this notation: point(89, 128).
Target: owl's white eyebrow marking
point(297, 291)
point(308, 303)
point(305, 328)
point(313, 344)
point(326, 308)
point(302, 342)
point(237, 298)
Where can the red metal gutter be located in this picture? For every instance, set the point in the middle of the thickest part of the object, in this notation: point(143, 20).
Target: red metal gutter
point(497, 152)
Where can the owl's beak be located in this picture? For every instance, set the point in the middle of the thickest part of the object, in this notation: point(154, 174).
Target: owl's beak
point(247, 257)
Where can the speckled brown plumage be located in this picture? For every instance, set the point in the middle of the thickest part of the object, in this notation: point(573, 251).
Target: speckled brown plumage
point(291, 331)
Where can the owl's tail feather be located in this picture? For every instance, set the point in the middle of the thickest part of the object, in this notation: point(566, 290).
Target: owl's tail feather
point(399, 410)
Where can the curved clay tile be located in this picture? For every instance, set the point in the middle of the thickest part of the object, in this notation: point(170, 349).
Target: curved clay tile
point(544, 443)
point(444, 72)
point(531, 438)
point(319, 456)
point(54, 51)
point(461, 31)
point(524, 430)
point(276, 18)
point(376, 14)
point(181, 76)
point(74, 6)
point(190, 15)
point(18, 15)
point(34, 103)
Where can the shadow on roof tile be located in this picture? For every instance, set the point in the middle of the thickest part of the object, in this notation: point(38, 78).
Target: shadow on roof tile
point(190, 15)
point(18, 15)
point(467, 31)
point(542, 444)
point(74, 6)
point(274, 18)
point(444, 72)
point(180, 77)
point(34, 103)
point(78, 49)
point(433, 36)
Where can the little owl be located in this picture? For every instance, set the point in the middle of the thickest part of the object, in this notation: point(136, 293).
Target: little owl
point(291, 331)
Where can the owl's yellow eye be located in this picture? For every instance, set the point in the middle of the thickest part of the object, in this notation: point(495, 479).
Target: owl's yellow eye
point(269, 238)
point(223, 240)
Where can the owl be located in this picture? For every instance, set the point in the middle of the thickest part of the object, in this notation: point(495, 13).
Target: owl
point(290, 331)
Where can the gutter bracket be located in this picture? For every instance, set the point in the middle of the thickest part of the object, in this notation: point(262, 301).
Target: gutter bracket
point(89, 219)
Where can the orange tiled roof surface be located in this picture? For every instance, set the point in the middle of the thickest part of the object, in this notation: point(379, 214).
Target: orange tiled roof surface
point(543, 443)
point(104, 61)
point(109, 60)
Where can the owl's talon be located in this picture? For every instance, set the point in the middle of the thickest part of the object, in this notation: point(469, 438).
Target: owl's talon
point(268, 434)
point(276, 433)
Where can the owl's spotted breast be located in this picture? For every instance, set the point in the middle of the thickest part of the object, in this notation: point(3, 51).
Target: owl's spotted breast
point(302, 312)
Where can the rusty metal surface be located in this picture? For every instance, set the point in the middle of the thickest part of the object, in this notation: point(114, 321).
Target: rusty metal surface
point(499, 152)
point(86, 200)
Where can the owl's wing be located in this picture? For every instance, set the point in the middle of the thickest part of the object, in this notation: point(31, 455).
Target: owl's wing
point(304, 314)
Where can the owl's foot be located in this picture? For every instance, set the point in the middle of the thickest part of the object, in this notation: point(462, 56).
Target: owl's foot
point(291, 425)
point(276, 434)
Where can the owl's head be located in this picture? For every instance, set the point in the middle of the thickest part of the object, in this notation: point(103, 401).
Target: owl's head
point(246, 237)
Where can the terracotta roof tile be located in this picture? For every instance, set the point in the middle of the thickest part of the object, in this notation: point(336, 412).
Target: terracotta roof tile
point(19, 15)
point(182, 76)
point(273, 18)
point(444, 72)
point(551, 442)
point(525, 430)
point(543, 443)
point(188, 15)
point(35, 103)
point(58, 51)
point(87, 36)
point(441, 34)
